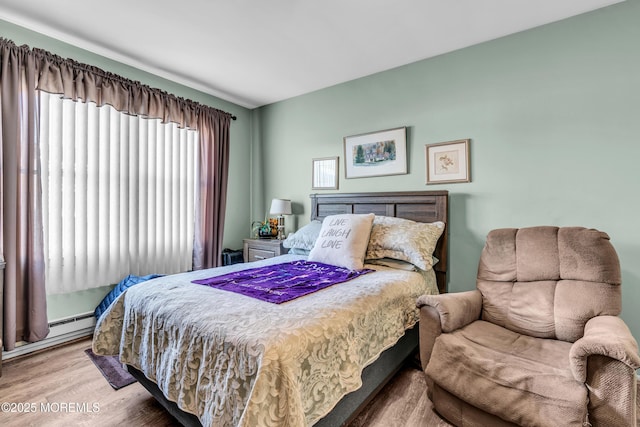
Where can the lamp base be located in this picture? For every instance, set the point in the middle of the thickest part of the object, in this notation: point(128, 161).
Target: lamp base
point(281, 235)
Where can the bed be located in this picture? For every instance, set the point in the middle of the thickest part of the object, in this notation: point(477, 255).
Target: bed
point(207, 352)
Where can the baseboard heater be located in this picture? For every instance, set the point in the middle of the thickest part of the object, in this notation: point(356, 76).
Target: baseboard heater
point(60, 331)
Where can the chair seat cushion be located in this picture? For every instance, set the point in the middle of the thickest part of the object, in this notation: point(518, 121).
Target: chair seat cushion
point(521, 379)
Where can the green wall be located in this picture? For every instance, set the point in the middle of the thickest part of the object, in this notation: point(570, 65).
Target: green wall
point(238, 201)
point(553, 115)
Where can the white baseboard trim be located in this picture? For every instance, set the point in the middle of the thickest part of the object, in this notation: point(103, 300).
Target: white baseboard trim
point(60, 332)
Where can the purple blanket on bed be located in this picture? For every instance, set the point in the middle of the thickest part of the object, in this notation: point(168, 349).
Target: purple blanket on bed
point(280, 283)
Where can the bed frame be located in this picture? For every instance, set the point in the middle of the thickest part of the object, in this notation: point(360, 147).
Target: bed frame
point(421, 206)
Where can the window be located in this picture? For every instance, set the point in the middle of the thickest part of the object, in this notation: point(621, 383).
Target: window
point(119, 194)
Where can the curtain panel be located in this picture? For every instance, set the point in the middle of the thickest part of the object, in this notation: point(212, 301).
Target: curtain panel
point(25, 310)
point(26, 70)
point(214, 168)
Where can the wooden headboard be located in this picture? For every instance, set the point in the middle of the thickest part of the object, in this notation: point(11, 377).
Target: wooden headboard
point(421, 206)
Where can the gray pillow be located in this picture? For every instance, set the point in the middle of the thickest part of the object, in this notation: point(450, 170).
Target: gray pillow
point(298, 251)
point(305, 237)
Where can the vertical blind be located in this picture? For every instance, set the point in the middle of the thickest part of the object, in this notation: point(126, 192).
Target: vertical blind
point(119, 194)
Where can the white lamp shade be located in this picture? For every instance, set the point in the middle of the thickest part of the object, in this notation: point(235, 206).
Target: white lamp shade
point(280, 207)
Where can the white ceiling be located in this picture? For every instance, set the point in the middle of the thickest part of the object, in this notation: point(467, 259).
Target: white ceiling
point(255, 52)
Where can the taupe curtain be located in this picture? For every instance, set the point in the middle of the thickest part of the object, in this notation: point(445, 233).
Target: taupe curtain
point(26, 70)
point(25, 309)
point(214, 168)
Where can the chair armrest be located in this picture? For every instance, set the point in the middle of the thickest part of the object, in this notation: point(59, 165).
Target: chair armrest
point(605, 336)
point(605, 359)
point(445, 312)
point(455, 310)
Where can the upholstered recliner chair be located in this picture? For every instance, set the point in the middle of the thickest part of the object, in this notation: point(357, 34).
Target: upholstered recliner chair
point(539, 342)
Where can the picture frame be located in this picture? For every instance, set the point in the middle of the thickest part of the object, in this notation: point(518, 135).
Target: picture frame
point(448, 162)
point(377, 153)
point(324, 173)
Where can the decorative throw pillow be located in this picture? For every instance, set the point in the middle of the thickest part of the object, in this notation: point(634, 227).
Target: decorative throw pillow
point(343, 240)
point(392, 263)
point(298, 251)
point(305, 237)
point(404, 240)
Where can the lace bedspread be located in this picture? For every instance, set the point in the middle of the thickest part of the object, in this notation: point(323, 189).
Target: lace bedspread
point(237, 361)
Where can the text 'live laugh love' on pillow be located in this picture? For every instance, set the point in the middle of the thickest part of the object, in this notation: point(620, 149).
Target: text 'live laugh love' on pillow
point(343, 240)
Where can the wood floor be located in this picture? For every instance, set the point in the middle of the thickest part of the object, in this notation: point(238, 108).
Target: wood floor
point(65, 381)
point(66, 375)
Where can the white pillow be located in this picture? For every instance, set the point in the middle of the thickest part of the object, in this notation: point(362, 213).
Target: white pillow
point(343, 240)
point(305, 237)
point(404, 240)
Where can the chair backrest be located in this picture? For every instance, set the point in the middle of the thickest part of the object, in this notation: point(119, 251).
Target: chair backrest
point(548, 282)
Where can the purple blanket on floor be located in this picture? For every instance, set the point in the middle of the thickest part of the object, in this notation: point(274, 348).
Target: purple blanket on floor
point(280, 283)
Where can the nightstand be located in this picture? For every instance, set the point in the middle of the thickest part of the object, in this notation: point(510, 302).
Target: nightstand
point(257, 249)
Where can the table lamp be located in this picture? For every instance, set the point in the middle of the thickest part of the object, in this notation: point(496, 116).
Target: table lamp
point(280, 207)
